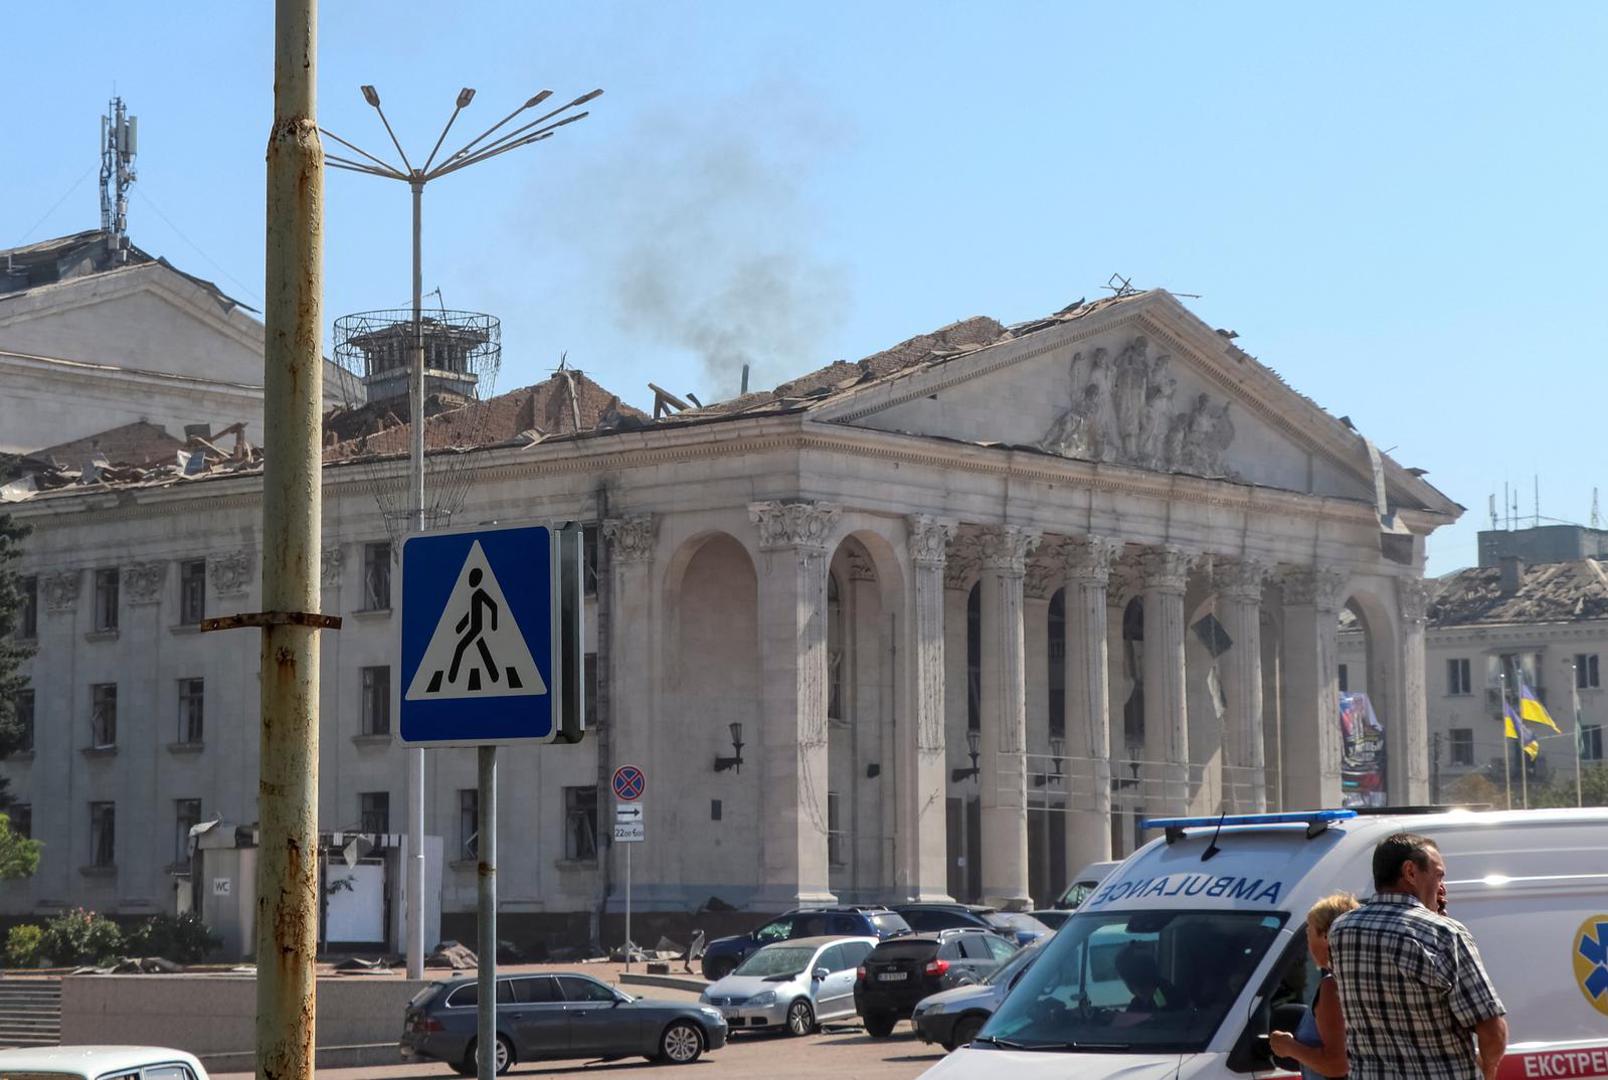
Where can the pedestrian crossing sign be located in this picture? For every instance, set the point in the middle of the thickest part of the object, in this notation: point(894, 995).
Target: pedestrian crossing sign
point(481, 657)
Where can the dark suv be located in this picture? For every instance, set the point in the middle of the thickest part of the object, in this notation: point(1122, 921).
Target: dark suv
point(1016, 926)
point(901, 972)
point(722, 955)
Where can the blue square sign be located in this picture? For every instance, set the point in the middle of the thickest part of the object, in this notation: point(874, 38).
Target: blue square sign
point(478, 633)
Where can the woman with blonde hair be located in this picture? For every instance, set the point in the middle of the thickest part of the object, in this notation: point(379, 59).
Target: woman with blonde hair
point(1319, 1042)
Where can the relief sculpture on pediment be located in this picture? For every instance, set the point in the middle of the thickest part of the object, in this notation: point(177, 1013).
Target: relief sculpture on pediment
point(1121, 411)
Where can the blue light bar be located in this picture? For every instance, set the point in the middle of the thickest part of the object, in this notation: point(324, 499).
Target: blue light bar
point(1304, 817)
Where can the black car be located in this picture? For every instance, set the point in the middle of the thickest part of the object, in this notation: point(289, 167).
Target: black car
point(1014, 925)
point(902, 971)
point(722, 955)
point(548, 1017)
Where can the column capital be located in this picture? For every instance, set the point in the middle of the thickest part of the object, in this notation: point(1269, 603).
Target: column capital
point(60, 589)
point(929, 540)
point(230, 573)
point(1006, 547)
point(963, 558)
point(142, 582)
point(1166, 568)
point(1240, 580)
point(631, 538)
point(1412, 597)
point(785, 525)
point(1322, 587)
point(1088, 559)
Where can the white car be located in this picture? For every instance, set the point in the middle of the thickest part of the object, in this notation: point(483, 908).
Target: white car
point(99, 1063)
point(793, 984)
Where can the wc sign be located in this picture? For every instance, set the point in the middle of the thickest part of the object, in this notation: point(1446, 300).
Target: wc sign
point(491, 646)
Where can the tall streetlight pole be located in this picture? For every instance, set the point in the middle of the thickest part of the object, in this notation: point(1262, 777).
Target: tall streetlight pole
point(473, 152)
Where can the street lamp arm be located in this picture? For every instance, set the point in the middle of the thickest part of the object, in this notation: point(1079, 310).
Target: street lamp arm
point(502, 147)
point(514, 134)
point(436, 149)
point(406, 164)
point(357, 166)
point(358, 149)
point(537, 100)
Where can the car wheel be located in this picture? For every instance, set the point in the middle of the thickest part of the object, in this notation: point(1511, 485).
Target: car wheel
point(966, 1029)
point(682, 1043)
point(505, 1058)
point(879, 1025)
point(800, 1018)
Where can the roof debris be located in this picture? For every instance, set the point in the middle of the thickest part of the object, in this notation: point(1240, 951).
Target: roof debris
point(1574, 591)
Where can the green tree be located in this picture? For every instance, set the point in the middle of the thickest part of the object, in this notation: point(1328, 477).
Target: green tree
point(12, 651)
point(1561, 790)
point(19, 856)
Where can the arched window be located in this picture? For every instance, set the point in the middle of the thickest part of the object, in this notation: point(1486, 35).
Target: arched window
point(1057, 671)
point(834, 650)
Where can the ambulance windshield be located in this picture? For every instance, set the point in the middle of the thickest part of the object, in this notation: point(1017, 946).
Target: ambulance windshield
point(1136, 980)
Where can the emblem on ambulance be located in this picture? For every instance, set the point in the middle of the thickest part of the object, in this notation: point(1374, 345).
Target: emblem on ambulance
point(1591, 961)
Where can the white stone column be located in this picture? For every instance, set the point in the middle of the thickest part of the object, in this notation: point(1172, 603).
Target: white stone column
point(1004, 717)
point(1166, 774)
point(921, 837)
point(1239, 595)
point(1311, 765)
point(633, 629)
point(792, 652)
point(1088, 562)
point(1411, 738)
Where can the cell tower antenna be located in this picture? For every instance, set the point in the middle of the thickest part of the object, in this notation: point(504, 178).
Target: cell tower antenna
point(1596, 511)
point(1493, 511)
point(119, 145)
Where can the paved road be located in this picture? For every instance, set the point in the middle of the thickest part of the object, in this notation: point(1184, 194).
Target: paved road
point(845, 1053)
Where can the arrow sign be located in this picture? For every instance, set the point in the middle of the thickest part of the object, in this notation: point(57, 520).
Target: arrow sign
point(624, 812)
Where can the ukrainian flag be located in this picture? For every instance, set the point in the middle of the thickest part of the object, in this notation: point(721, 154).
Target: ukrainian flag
point(1530, 708)
point(1514, 727)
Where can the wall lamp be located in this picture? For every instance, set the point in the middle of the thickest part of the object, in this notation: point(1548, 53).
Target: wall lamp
point(974, 739)
point(1057, 754)
point(736, 759)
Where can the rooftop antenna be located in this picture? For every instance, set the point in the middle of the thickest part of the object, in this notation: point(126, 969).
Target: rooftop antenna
point(1596, 511)
point(1537, 503)
point(1120, 286)
point(1493, 511)
point(119, 144)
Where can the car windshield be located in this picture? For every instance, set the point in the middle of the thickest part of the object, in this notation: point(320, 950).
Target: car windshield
point(890, 925)
point(776, 960)
point(1024, 956)
point(1135, 981)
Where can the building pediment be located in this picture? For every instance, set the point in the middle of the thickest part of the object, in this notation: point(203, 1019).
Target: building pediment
point(1140, 383)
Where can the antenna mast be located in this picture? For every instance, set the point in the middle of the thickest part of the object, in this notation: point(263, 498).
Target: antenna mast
point(119, 144)
point(1596, 511)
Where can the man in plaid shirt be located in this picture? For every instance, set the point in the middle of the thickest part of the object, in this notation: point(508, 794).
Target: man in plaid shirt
point(1415, 995)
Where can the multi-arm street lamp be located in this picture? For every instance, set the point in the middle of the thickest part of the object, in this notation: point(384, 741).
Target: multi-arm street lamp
point(473, 152)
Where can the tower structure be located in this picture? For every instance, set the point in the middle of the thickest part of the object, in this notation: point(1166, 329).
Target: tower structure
point(119, 144)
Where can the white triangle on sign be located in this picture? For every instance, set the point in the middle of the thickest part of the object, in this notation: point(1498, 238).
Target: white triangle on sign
point(477, 650)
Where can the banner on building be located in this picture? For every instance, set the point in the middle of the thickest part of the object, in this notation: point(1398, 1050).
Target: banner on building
point(1362, 763)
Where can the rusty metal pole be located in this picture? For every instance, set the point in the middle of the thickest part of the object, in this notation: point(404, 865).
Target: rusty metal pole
point(287, 806)
point(414, 877)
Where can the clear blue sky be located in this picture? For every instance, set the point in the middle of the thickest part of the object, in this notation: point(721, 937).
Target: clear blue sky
point(1399, 210)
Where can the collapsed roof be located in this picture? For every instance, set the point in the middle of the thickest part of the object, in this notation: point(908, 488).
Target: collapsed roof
point(1573, 591)
point(84, 254)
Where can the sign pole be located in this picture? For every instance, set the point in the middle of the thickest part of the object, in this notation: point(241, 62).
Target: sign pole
point(486, 1017)
point(628, 907)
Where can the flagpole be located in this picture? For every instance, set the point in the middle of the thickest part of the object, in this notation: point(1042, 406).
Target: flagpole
point(1574, 690)
point(1507, 757)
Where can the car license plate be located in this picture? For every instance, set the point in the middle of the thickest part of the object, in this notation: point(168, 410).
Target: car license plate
point(893, 976)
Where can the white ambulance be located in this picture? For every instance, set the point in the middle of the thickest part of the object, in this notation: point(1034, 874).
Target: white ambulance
point(1217, 908)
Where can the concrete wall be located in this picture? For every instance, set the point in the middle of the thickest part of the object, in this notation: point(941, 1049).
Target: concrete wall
point(215, 1016)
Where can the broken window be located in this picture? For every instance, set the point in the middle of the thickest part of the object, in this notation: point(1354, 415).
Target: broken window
point(24, 706)
point(1462, 746)
point(28, 608)
point(468, 824)
point(1458, 677)
point(1586, 671)
point(376, 709)
point(186, 816)
point(106, 600)
point(580, 823)
point(192, 591)
point(103, 715)
point(192, 709)
point(377, 576)
point(102, 834)
point(374, 812)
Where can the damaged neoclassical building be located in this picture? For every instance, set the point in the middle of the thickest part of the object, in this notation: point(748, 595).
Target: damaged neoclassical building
point(948, 621)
